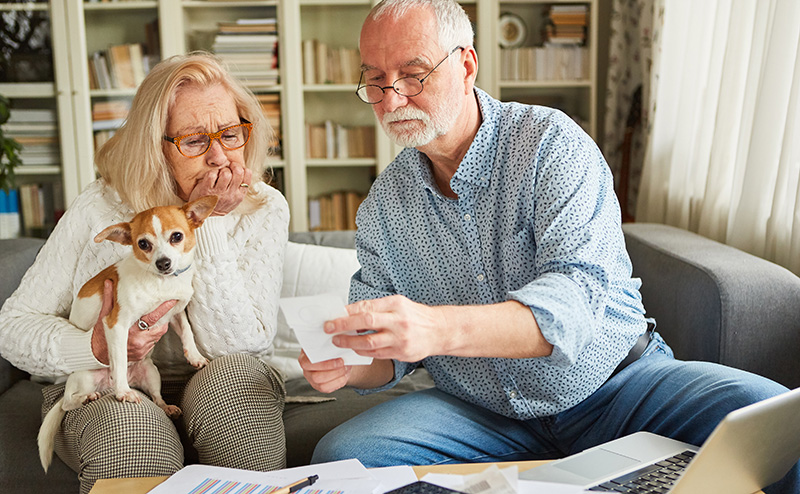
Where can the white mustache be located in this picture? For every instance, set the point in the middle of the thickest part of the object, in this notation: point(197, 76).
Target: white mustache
point(406, 113)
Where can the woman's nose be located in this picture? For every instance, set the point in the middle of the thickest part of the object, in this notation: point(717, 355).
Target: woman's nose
point(216, 154)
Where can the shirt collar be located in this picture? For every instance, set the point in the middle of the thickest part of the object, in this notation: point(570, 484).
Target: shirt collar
point(476, 167)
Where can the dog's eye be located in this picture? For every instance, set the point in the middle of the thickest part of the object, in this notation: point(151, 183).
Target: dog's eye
point(176, 238)
point(144, 244)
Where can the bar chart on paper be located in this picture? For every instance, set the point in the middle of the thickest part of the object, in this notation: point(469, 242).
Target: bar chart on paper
point(219, 486)
point(339, 477)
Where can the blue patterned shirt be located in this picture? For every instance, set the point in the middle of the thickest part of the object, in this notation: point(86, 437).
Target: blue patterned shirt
point(536, 221)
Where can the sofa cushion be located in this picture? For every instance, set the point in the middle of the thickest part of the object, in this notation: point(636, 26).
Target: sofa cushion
point(309, 270)
point(20, 470)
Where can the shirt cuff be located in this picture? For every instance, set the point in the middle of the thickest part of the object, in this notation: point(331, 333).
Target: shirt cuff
point(212, 237)
point(76, 349)
point(401, 369)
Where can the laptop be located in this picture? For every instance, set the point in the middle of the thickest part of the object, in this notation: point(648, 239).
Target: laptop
point(751, 448)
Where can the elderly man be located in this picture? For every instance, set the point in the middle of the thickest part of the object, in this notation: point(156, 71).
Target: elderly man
point(492, 254)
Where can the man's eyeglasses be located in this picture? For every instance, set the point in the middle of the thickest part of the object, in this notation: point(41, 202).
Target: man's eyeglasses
point(198, 144)
point(405, 86)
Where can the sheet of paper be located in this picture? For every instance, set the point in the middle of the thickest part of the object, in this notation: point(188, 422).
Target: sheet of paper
point(456, 482)
point(347, 477)
point(393, 477)
point(306, 316)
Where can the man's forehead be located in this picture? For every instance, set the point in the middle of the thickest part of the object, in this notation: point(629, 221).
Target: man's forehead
point(416, 61)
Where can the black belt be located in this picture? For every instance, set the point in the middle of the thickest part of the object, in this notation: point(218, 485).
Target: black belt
point(637, 350)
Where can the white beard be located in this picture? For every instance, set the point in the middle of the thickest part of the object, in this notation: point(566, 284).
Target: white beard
point(422, 128)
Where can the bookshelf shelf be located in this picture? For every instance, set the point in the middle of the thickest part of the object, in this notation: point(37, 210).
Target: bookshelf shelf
point(28, 89)
point(330, 88)
point(545, 84)
point(5, 6)
point(233, 3)
point(30, 170)
point(323, 163)
point(130, 5)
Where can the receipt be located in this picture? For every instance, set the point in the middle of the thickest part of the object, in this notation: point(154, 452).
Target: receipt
point(307, 315)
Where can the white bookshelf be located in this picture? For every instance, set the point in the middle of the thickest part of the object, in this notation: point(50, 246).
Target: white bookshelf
point(80, 28)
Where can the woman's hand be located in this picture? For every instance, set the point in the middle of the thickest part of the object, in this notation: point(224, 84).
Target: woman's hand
point(326, 376)
point(229, 183)
point(140, 342)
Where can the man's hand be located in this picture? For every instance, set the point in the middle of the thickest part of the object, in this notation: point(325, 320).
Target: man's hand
point(401, 329)
point(140, 343)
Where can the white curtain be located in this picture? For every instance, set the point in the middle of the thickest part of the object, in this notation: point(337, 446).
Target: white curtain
point(723, 152)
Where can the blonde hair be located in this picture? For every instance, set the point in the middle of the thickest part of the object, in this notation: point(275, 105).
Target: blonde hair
point(133, 162)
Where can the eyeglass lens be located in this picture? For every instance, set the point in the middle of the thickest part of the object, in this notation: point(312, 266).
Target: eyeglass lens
point(406, 86)
point(230, 138)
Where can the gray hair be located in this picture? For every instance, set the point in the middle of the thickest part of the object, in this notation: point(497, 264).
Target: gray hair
point(452, 22)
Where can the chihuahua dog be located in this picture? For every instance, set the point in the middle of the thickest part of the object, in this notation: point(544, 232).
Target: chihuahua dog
point(159, 269)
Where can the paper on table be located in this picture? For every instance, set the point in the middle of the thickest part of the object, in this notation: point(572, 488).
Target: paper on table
point(306, 316)
point(348, 476)
point(456, 482)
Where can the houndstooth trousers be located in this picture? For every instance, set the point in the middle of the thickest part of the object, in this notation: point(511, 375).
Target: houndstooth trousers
point(232, 417)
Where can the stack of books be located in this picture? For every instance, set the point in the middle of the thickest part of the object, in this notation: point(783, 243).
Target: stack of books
point(271, 105)
point(10, 226)
point(119, 67)
point(249, 47)
point(36, 130)
point(544, 63)
point(107, 117)
point(41, 206)
point(334, 211)
point(323, 64)
point(567, 24)
point(331, 140)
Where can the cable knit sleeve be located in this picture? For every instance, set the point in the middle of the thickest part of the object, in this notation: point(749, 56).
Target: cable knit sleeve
point(237, 283)
point(35, 334)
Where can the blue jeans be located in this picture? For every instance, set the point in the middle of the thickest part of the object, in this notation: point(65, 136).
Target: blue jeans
point(682, 400)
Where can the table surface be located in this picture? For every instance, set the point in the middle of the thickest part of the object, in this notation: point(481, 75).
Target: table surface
point(145, 484)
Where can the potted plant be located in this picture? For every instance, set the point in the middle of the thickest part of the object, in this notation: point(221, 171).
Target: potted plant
point(9, 151)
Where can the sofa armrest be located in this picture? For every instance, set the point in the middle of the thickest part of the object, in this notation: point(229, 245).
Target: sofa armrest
point(717, 303)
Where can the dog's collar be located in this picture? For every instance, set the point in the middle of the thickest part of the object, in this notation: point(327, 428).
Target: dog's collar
point(176, 273)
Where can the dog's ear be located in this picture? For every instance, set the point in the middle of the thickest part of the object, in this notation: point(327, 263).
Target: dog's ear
point(120, 233)
point(198, 210)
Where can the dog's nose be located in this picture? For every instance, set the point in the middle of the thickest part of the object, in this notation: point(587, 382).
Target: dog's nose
point(163, 264)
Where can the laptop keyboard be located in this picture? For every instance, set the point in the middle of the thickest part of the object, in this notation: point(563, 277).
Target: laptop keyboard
point(656, 478)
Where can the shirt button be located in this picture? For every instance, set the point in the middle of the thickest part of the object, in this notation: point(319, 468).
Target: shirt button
point(480, 277)
point(512, 394)
point(467, 217)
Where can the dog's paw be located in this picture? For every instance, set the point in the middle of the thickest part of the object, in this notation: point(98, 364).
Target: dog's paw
point(91, 397)
point(130, 396)
point(197, 361)
point(172, 411)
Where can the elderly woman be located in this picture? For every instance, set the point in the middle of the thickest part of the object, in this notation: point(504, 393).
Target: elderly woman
point(192, 131)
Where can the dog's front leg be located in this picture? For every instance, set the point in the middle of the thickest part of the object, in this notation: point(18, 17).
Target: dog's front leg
point(144, 375)
point(117, 341)
point(180, 324)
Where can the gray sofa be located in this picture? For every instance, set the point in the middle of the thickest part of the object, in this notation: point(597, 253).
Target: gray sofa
point(712, 302)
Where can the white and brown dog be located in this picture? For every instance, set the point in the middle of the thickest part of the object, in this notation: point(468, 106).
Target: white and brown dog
point(159, 269)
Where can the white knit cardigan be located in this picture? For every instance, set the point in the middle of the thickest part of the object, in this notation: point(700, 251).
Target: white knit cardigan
point(237, 284)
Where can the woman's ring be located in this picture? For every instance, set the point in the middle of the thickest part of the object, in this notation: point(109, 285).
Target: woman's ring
point(143, 325)
point(244, 185)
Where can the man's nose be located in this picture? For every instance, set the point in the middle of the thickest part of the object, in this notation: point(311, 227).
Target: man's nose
point(392, 101)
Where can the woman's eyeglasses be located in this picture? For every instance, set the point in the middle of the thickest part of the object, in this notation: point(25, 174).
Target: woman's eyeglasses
point(198, 144)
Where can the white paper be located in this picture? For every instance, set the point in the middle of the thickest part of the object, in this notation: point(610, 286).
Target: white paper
point(393, 477)
point(348, 476)
point(456, 482)
point(307, 315)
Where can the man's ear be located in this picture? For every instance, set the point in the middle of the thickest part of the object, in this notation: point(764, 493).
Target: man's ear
point(198, 210)
point(120, 233)
point(470, 68)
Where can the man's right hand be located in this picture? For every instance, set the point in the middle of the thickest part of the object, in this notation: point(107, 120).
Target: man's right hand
point(140, 343)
